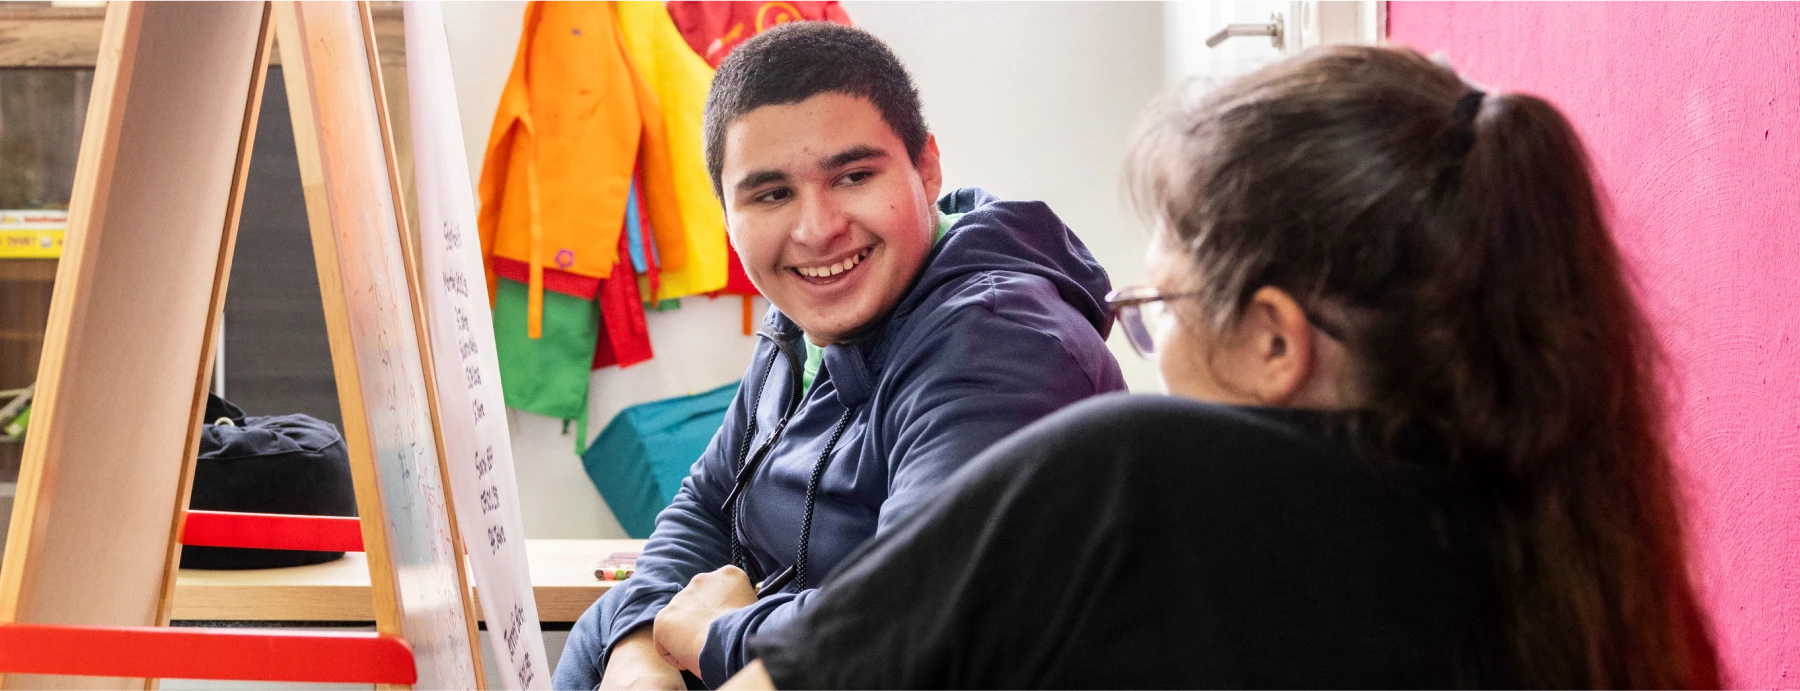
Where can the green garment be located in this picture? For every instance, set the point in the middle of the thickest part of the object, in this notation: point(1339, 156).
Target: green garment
point(549, 375)
point(815, 355)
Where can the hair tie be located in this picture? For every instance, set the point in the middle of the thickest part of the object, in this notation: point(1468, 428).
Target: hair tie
point(1462, 121)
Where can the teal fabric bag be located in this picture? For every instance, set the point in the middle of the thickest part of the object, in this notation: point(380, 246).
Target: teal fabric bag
point(640, 459)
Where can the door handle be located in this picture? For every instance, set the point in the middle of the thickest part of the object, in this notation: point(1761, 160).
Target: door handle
point(1275, 29)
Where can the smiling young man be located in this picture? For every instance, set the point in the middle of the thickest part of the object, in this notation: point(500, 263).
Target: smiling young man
point(909, 334)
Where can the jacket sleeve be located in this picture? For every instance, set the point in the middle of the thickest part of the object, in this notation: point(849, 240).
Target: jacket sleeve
point(990, 363)
point(691, 536)
point(983, 375)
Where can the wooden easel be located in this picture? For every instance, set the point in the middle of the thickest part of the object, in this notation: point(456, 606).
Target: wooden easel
point(89, 570)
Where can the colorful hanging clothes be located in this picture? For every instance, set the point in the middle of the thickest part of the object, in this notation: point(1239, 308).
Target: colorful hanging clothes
point(678, 81)
point(624, 337)
point(643, 242)
point(547, 375)
point(650, 276)
point(574, 120)
point(589, 323)
point(573, 285)
point(634, 230)
point(712, 29)
point(737, 281)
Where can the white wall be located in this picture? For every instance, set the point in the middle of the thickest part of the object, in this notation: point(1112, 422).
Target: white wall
point(1029, 100)
point(483, 37)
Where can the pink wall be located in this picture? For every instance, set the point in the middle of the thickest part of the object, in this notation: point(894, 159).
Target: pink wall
point(1692, 114)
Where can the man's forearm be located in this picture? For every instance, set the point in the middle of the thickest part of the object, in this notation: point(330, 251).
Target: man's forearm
point(754, 677)
point(639, 640)
point(637, 648)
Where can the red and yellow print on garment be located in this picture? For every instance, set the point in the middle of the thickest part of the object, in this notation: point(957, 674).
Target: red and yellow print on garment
point(712, 29)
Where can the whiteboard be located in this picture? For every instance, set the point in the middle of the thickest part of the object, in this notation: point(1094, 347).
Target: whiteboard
point(419, 590)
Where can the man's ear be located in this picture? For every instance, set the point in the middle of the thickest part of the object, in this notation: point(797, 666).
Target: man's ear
point(931, 168)
point(1281, 345)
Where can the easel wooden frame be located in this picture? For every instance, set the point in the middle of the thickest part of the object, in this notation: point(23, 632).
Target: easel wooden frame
point(99, 519)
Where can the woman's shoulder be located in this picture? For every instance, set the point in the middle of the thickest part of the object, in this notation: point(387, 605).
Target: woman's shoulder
point(1170, 425)
point(1169, 447)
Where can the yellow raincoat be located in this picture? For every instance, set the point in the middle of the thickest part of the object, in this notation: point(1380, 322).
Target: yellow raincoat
point(679, 79)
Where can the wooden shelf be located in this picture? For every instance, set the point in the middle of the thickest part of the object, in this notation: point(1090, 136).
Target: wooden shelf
point(37, 34)
point(27, 269)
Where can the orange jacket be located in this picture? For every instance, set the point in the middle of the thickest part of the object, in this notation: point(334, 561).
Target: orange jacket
point(574, 120)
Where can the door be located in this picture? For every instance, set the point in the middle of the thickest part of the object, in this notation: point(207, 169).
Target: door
point(1215, 42)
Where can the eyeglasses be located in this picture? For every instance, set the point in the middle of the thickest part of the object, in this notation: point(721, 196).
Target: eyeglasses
point(1141, 310)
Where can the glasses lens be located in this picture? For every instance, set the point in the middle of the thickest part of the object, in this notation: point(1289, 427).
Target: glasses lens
point(1132, 319)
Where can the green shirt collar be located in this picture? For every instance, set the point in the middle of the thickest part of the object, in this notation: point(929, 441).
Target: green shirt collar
point(815, 355)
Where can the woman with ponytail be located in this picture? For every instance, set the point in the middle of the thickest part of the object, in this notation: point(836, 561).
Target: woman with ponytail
point(1417, 434)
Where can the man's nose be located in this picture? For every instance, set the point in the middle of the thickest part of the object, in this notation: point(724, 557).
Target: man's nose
point(822, 222)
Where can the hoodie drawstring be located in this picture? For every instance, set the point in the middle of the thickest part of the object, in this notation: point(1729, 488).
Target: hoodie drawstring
point(812, 492)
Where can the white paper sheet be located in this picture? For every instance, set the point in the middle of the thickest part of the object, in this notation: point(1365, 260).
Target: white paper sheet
point(472, 410)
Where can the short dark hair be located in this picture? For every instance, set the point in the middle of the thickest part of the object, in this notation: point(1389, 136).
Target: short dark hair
point(799, 60)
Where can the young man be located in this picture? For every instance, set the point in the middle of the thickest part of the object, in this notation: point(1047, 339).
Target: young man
point(906, 338)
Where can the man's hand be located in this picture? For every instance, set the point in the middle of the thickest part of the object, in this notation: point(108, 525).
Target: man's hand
point(636, 665)
point(682, 625)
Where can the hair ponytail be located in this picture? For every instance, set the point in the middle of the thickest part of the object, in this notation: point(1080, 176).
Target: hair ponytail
point(1595, 567)
point(1463, 235)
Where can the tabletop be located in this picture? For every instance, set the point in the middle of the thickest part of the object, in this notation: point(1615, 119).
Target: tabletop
point(562, 580)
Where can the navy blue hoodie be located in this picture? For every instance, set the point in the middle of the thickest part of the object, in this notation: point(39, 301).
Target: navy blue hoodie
point(1005, 324)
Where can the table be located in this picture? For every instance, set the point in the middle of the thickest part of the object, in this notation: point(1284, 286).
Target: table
point(562, 579)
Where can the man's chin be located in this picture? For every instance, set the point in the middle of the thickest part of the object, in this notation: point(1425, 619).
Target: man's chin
point(824, 326)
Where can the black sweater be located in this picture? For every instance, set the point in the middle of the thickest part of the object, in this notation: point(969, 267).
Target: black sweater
point(1148, 541)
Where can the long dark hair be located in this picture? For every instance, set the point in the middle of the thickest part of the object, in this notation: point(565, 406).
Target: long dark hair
point(1461, 237)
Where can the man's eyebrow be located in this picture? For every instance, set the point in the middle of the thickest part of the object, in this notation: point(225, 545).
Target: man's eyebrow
point(861, 152)
point(852, 155)
point(760, 178)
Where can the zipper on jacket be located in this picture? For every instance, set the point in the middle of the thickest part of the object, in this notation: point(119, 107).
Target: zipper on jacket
point(733, 506)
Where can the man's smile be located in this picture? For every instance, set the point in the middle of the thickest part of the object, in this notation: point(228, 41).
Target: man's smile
point(833, 270)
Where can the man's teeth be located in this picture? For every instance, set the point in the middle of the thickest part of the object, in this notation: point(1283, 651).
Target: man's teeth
point(832, 269)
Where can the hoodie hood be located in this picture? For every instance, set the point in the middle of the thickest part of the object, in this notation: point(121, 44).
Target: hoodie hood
point(1016, 236)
